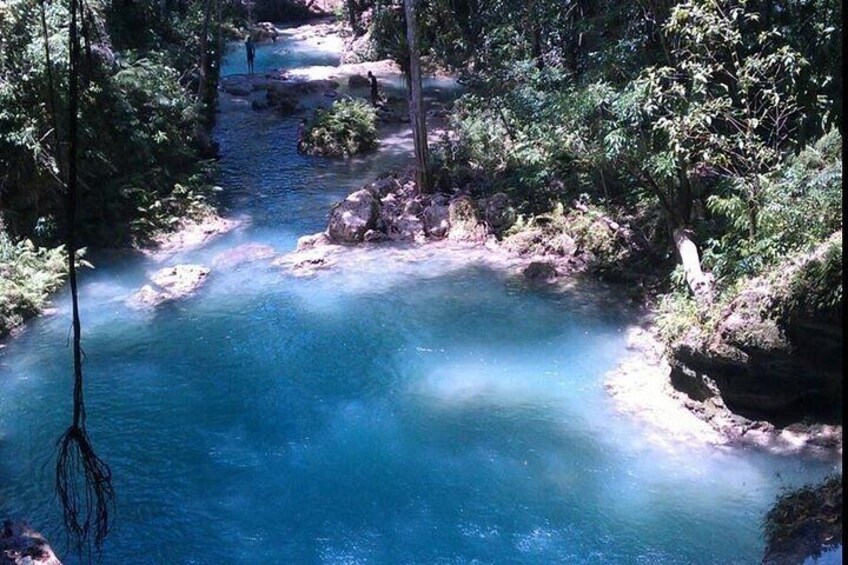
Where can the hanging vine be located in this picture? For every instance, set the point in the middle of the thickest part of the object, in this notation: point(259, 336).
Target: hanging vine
point(83, 480)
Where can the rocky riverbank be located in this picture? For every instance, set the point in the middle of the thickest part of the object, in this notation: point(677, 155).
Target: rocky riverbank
point(390, 213)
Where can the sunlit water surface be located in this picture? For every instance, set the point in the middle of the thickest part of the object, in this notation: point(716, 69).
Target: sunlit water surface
point(392, 413)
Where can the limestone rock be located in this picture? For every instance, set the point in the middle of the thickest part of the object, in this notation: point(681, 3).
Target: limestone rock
point(351, 218)
point(383, 187)
point(498, 213)
point(264, 31)
point(169, 284)
point(436, 221)
point(358, 81)
point(464, 222)
point(760, 365)
point(310, 241)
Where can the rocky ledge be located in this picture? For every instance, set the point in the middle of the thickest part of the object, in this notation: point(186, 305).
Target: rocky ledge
point(641, 385)
point(21, 545)
point(685, 393)
point(169, 284)
point(392, 209)
point(770, 363)
point(190, 234)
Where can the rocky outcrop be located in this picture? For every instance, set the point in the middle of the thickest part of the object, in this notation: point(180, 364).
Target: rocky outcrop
point(397, 211)
point(282, 92)
point(358, 81)
point(804, 522)
point(169, 284)
point(464, 220)
point(762, 358)
point(353, 217)
point(21, 545)
point(190, 234)
point(264, 31)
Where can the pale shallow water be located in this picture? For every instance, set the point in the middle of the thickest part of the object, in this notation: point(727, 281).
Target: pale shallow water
point(394, 412)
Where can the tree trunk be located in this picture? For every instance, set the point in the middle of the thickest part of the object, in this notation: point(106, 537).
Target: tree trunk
point(203, 87)
point(699, 282)
point(352, 16)
point(416, 102)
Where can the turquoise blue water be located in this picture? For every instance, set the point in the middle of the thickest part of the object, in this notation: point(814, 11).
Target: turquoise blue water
point(392, 412)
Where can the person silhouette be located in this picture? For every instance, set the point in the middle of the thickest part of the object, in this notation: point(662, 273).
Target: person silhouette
point(251, 53)
point(375, 95)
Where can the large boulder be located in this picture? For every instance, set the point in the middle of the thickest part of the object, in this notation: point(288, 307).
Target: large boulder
point(353, 216)
point(264, 31)
point(498, 213)
point(358, 81)
point(436, 221)
point(464, 221)
point(169, 284)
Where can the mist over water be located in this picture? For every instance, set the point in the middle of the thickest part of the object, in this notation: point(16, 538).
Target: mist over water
point(391, 412)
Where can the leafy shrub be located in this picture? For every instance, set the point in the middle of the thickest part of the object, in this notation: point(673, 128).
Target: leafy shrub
point(348, 127)
point(801, 206)
point(817, 286)
point(676, 314)
point(28, 274)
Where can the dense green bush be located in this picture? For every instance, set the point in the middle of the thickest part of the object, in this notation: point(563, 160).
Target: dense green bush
point(801, 206)
point(346, 128)
point(142, 129)
point(28, 274)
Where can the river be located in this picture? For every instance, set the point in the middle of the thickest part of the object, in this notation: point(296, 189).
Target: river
point(427, 411)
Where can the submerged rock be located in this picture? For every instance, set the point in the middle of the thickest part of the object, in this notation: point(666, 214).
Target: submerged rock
point(539, 271)
point(353, 216)
point(169, 284)
point(21, 545)
point(247, 253)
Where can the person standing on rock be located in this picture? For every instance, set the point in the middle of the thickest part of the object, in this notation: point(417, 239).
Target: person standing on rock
point(375, 95)
point(251, 53)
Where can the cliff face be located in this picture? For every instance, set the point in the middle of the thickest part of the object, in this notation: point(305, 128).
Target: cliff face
point(775, 351)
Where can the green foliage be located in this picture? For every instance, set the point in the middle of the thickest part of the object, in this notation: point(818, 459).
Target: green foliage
point(348, 127)
point(802, 206)
point(817, 286)
point(676, 314)
point(811, 513)
point(28, 274)
point(142, 128)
